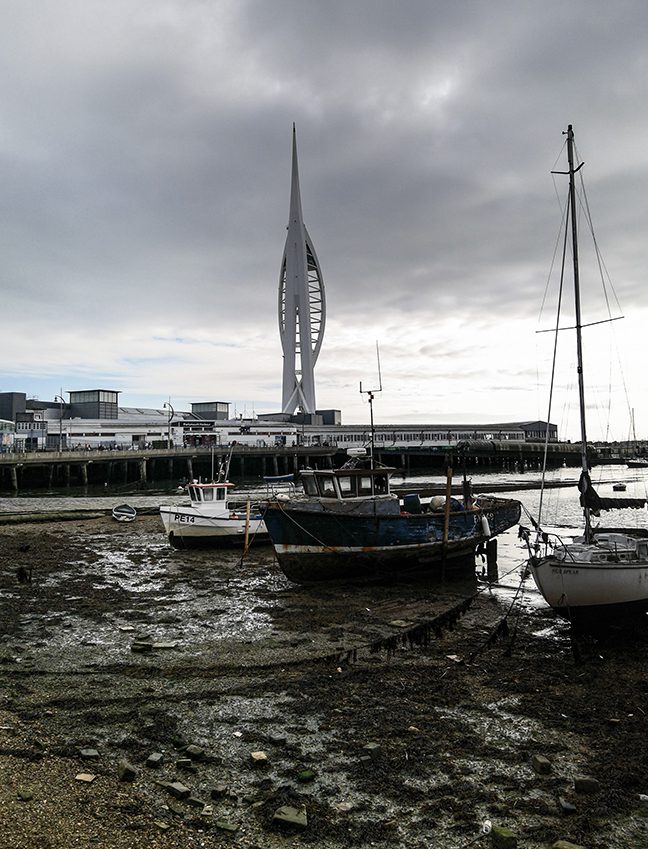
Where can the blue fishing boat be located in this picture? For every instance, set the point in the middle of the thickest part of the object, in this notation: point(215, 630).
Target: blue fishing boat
point(348, 525)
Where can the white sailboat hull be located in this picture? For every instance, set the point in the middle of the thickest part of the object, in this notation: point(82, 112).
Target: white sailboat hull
point(581, 587)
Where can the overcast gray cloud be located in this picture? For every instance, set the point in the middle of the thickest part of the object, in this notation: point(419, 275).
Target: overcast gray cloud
point(145, 163)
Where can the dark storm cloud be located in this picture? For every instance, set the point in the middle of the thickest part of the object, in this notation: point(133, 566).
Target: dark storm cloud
point(145, 160)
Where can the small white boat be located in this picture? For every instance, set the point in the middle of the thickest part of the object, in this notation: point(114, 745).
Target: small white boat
point(124, 513)
point(210, 519)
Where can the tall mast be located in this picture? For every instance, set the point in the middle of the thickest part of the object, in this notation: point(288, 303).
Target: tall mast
point(577, 303)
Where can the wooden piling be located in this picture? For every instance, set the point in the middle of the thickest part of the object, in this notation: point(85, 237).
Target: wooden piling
point(492, 570)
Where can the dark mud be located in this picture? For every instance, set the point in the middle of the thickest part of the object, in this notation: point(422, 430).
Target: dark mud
point(453, 701)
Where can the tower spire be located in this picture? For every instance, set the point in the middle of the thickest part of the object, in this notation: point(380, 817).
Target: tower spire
point(302, 307)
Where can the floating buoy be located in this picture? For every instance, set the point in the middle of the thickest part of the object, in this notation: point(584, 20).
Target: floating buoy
point(485, 526)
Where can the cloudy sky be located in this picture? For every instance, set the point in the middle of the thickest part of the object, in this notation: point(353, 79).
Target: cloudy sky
point(144, 188)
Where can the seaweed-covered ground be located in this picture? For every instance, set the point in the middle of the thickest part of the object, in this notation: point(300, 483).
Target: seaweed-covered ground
point(391, 716)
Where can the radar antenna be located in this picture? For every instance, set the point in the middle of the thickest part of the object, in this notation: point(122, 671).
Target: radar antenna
point(370, 393)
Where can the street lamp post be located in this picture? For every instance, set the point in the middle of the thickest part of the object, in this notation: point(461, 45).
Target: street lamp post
point(169, 406)
point(61, 402)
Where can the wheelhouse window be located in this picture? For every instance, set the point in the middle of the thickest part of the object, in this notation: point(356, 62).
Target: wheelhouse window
point(208, 494)
point(326, 486)
point(381, 484)
point(220, 493)
point(310, 487)
point(364, 485)
point(347, 487)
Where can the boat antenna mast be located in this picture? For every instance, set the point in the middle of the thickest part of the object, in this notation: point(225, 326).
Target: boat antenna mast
point(579, 336)
point(370, 397)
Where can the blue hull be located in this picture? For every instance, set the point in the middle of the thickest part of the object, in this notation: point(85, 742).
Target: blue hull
point(332, 545)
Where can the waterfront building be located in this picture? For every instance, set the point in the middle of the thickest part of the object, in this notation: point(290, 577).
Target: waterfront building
point(39, 425)
point(94, 404)
point(7, 435)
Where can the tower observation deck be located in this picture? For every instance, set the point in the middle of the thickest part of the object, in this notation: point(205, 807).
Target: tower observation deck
point(302, 306)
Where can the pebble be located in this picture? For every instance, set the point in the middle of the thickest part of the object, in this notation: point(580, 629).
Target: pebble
point(541, 765)
point(288, 815)
point(585, 784)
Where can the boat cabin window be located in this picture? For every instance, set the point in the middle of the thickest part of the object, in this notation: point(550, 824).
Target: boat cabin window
point(327, 487)
point(310, 487)
point(347, 487)
point(197, 493)
point(356, 485)
point(364, 485)
point(381, 484)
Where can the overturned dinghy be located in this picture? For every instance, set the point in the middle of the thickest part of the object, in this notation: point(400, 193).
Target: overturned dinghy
point(124, 513)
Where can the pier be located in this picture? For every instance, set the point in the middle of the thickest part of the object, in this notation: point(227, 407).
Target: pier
point(57, 470)
point(53, 469)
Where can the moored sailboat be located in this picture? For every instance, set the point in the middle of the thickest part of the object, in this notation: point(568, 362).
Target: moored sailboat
point(602, 574)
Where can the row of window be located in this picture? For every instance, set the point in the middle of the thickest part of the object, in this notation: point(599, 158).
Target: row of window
point(420, 436)
point(93, 396)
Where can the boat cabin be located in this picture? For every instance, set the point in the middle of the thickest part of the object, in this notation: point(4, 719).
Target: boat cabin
point(346, 483)
point(203, 493)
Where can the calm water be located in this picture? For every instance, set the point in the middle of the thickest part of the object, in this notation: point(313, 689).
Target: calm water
point(560, 505)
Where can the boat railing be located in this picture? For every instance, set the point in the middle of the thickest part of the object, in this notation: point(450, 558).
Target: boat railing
point(541, 544)
point(280, 485)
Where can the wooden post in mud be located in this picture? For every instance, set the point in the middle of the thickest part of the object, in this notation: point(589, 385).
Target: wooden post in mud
point(84, 474)
point(491, 561)
point(446, 514)
point(247, 524)
point(13, 475)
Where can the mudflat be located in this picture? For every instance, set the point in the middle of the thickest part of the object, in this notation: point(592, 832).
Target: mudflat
point(152, 697)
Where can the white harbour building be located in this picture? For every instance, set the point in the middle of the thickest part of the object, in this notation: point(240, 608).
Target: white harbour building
point(94, 419)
